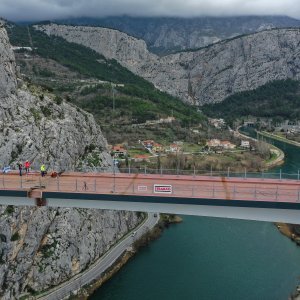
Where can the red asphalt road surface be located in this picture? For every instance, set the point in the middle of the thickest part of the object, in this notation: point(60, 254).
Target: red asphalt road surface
point(273, 190)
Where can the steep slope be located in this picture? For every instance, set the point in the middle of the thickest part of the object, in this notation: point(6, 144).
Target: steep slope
point(42, 247)
point(86, 78)
point(206, 75)
point(110, 43)
point(166, 34)
point(36, 127)
point(279, 100)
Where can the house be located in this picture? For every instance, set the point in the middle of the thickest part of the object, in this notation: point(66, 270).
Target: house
point(157, 147)
point(245, 144)
point(141, 157)
point(119, 150)
point(213, 143)
point(217, 123)
point(148, 144)
point(175, 148)
point(167, 120)
point(160, 121)
point(227, 145)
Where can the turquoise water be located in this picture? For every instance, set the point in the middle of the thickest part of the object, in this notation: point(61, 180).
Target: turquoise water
point(210, 258)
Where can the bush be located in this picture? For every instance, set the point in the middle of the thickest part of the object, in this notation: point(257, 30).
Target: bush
point(15, 237)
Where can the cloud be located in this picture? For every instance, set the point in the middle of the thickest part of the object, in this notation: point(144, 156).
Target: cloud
point(54, 9)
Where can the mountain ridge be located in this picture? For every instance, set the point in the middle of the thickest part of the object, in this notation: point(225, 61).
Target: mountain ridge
point(203, 76)
point(165, 35)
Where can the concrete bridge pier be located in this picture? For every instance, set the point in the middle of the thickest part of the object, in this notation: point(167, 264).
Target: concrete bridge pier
point(37, 194)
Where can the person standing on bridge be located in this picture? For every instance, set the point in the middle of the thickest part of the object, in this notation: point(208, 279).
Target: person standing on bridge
point(43, 170)
point(27, 166)
point(20, 167)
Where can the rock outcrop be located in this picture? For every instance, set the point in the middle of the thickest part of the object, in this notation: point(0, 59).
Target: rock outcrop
point(42, 247)
point(38, 126)
point(202, 76)
point(8, 81)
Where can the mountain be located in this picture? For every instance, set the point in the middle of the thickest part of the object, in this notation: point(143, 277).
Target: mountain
point(206, 75)
point(41, 247)
point(168, 34)
point(100, 85)
point(279, 100)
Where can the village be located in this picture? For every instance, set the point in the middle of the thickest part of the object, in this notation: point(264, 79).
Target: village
point(151, 153)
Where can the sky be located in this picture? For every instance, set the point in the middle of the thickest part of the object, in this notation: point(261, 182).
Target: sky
point(35, 10)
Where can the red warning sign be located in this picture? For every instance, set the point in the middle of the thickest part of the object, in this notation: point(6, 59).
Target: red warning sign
point(162, 189)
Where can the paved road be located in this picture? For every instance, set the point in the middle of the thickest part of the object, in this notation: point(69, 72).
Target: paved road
point(103, 263)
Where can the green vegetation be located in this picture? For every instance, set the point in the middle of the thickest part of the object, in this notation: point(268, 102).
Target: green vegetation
point(130, 100)
point(76, 57)
point(46, 111)
point(15, 237)
point(48, 250)
point(9, 210)
point(35, 113)
point(279, 100)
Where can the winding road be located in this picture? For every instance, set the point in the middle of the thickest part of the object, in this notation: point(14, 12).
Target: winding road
point(103, 263)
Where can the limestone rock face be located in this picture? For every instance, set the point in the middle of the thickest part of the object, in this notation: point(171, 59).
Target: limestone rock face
point(207, 75)
point(164, 35)
point(42, 247)
point(8, 82)
point(113, 44)
point(41, 130)
point(34, 125)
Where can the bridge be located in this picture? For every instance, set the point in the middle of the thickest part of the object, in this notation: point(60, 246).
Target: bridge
point(263, 199)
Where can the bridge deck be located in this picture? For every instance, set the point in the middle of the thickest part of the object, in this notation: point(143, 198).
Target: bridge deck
point(183, 186)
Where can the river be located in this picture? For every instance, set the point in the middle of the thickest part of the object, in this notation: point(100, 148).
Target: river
point(211, 258)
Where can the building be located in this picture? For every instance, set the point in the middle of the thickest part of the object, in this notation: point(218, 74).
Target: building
point(227, 145)
point(174, 148)
point(141, 157)
point(216, 143)
point(119, 151)
point(245, 144)
point(213, 143)
point(157, 147)
point(217, 123)
point(160, 121)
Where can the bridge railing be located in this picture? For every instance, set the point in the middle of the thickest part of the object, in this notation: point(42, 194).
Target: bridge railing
point(214, 173)
point(244, 173)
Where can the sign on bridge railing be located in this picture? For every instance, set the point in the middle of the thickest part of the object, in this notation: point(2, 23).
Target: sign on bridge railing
point(162, 189)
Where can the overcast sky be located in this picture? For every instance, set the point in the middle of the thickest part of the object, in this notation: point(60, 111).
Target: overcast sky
point(54, 9)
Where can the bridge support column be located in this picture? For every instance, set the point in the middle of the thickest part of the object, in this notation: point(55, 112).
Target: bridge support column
point(40, 202)
point(37, 194)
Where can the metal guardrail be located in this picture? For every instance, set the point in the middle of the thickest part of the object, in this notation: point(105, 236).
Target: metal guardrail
point(193, 172)
point(214, 173)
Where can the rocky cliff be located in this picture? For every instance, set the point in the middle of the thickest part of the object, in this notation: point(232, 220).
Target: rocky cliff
point(166, 34)
point(42, 247)
point(202, 76)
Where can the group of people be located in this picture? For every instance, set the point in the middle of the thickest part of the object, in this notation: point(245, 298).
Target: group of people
point(27, 166)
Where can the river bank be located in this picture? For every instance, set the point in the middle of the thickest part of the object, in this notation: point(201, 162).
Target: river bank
point(165, 221)
point(279, 154)
point(279, 138)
